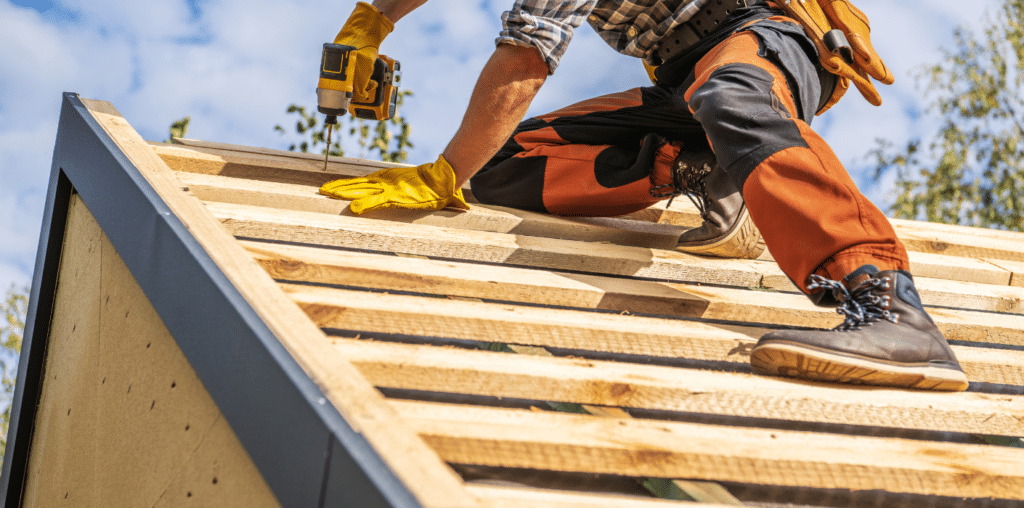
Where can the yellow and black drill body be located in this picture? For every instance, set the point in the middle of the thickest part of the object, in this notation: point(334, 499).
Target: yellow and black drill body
point(334, 91)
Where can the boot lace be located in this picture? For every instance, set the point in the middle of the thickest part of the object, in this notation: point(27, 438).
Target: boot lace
point(860, 305)
point(686, 179)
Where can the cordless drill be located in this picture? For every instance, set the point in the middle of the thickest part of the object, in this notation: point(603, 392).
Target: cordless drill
point(334, 91)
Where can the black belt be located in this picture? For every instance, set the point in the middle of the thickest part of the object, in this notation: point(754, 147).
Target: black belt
point(689, 33)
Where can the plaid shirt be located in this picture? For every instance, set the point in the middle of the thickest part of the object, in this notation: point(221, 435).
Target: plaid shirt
point(632, 27)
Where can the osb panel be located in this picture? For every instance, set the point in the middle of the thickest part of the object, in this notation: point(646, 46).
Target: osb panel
point(123, 419)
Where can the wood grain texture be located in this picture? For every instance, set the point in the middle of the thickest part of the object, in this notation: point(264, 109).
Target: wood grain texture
point(583, 443)
point(331, 266)
point(959, 241)
point(61, 465)
point(1015, 268)
point(429, 479)
point(137, 403)
point(498, 496)
point(617, 384)
point(306, 198)
point(434, 241)
point(560, 328)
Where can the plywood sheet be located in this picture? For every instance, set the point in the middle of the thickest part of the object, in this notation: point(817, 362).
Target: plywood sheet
point(120, 398)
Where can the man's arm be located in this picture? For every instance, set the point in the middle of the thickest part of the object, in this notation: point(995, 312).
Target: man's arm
point(507, 85)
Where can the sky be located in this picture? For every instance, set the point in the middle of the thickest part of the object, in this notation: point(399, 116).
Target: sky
point(234, 66)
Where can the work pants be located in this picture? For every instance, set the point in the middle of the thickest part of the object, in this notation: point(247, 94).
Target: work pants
point(750, 98)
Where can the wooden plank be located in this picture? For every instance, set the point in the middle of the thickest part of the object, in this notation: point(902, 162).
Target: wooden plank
point(383, 236)
point(264, 164)
point(480, 218)
point(1015, 268)
point(137, 403)
point(583, 443)
point(331, 266)
point(507, 220)
point(224, 159)
point(471, 280)
point(216, 147)
point(618, 384)
point(156, 416)
point(495, 496)
point(588, 331)
point(479, 321)
point(700, 491)
point(61, 465)
point(922, 264)
point(427, 478)
point(961, 243)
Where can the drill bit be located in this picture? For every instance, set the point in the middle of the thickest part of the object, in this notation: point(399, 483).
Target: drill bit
point(327, 153)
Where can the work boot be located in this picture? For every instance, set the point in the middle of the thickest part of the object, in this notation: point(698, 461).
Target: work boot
point(887, 338)
point(727, 230)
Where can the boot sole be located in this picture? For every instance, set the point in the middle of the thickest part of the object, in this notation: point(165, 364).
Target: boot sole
point(800, 361)
point(743, 241)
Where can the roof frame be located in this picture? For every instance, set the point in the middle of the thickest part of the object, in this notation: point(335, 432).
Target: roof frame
point(307, 451)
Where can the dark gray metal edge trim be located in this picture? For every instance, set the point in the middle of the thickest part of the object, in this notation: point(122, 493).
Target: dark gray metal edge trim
point(279, 414)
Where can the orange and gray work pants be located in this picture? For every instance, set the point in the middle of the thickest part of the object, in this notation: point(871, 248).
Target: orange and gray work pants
point(751, 97)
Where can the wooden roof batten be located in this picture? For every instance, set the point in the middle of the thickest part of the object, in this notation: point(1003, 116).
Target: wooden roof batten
point(407, 358)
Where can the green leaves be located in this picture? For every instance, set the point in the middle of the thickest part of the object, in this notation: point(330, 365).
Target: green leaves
point(178, 129)
point(12, 327)
point(972, 171)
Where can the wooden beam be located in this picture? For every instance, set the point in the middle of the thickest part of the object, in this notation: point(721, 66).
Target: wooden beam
point(413, 463)
point(496, 219)
point(637, 233)
point(619, 384)
point(331, 266)
point(965, 325)
point(224, 159)
point(960, 241)
point(583, 443)
point(561, 328)
point(434, 241)
point(495, 496)
point(506, 323)
point(922, 264)
point(1015, 268)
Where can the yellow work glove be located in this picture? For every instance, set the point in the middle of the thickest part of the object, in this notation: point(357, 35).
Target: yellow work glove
point(365, 29)
point(855, 26)
point(426, 187)
point(650, 71)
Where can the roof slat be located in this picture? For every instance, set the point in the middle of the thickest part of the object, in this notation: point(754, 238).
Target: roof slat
point(583, 443)
point(570, 329)
point(618, 384)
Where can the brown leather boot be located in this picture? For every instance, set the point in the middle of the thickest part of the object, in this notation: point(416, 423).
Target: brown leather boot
point(887, 339)
point(727, 230)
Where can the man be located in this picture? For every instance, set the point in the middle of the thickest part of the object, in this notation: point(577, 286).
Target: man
point(737, 84)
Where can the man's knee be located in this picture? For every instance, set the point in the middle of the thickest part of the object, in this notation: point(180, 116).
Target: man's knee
point(745, 118)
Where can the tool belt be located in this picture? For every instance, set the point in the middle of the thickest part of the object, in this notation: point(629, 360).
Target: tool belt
point(710, 15)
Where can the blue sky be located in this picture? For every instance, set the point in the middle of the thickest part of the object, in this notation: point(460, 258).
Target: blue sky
point(234, 66)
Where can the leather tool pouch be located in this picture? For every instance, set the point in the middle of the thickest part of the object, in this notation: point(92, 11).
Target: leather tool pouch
point(841, 33)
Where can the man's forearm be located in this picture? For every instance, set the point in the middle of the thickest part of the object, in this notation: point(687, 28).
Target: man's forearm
point(396, 9)
point(507, 85)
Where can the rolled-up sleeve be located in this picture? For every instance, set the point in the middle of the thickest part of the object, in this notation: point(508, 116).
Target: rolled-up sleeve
point(545, 25)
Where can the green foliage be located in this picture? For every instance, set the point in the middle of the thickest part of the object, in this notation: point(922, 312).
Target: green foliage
point(179, 129)
point(12, 327)
point(386, 140)
point(972, 171)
